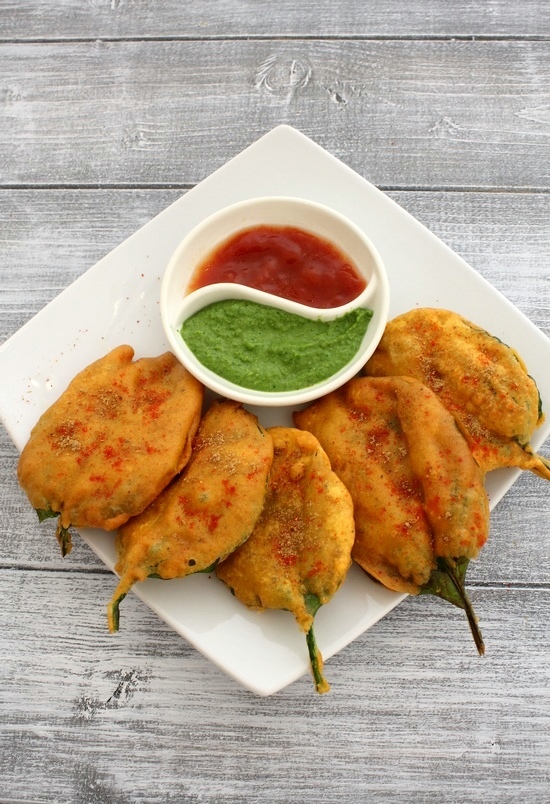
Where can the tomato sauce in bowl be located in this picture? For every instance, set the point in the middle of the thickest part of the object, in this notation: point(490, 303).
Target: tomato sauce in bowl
point(285, 261)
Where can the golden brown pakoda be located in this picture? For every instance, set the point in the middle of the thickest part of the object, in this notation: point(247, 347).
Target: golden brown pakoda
point(483, 382)
point(111, 442)
point(421, 511)
point(300, 549)
point(206, 512)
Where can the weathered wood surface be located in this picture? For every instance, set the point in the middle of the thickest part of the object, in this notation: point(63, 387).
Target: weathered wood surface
point(405, 113)
point(90, 19)
point(96, 137)
point(414, 714)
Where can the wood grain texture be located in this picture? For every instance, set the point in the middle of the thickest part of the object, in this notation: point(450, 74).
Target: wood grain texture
point(109, 110)
point(410, 114)
point(76, 19)
point(414, 713)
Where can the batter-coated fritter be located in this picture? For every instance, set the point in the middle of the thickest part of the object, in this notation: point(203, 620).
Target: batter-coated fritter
point(483, 382)
point(300, 550)
point(421, 511)
point(112, 441)
point(207, 512)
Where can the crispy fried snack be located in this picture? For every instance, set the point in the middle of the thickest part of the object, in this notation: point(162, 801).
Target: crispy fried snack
point(421, 511)
point(112, 441)
point(483, 382)
point(208, 511)
point(300, 550)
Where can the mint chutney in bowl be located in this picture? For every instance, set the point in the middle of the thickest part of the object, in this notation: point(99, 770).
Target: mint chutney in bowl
point(274, 301)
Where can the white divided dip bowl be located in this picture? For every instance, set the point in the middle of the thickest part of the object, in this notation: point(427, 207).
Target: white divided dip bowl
point(177, 303)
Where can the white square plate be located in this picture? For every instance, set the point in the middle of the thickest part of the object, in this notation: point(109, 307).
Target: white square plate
point(116, 301)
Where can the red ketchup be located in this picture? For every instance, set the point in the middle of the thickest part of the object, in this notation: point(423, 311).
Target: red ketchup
point(285, 262)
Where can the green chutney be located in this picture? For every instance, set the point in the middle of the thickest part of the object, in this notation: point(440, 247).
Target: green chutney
point(264, 348)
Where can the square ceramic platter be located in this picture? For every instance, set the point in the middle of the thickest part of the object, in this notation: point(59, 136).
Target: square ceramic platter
point(116, 301)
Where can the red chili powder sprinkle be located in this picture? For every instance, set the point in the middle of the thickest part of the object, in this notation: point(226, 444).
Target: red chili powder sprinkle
point(229, 488)
point(316, 569)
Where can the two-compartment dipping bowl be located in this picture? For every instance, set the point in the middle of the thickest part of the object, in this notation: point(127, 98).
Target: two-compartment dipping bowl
point(178, 303)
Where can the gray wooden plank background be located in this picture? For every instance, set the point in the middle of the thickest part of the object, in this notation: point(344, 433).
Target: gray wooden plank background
point(236, 19)
point(406, 113)
point(109, 110)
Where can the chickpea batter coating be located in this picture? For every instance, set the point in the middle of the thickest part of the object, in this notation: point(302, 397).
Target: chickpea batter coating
point(112, 441)
point(480, 380)
point(419, 500)
point(206, 512)
point(300, 550)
